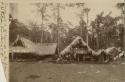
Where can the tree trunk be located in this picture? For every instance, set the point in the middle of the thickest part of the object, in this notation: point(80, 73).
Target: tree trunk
point(58, 25)
point(87, 37)
point(97, 42)
point(42, 14)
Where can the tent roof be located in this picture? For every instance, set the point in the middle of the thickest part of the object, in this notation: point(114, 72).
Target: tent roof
point(26, 48)
point(40, 49)
point(25, 42)
point(21, 50)
point(45, 48)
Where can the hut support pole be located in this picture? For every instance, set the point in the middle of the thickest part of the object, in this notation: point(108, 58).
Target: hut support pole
point(83, 57)
point(78, 58)
point(12, 55)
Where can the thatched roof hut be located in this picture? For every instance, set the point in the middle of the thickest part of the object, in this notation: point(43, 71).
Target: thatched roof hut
point(120, 55)
point(97, 53)
point(112, 51)
point(74, 43)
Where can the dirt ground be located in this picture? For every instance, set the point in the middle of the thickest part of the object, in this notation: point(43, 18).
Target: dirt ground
point(49, 72)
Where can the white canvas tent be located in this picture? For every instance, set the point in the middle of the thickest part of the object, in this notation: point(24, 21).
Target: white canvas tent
point(21, 45)
point(43, 49)
point(2, 75)
point(24, 41)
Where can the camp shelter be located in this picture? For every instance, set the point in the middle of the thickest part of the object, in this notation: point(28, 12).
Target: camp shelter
point(112, 52)
point(17, 28)
point(46, 49)
point(21, 46)
point(22, 42)
point(76, 49)
point(21, 50)
point(74, 43)
point(101, 56)
point(26, 48)
point(120, 56)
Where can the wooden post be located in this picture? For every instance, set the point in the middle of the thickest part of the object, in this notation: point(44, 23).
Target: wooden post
point(83, 57)
point(58, 24)
point(78, 58)
point(12, 55)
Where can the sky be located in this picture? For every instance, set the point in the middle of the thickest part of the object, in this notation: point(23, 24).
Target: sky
point(27, 12)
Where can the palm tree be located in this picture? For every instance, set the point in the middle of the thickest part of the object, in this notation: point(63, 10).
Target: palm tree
point(42, 7)
point(58, 25)
point(57, 18)
point(96, 26)
point(86, 11)
point(121, 6)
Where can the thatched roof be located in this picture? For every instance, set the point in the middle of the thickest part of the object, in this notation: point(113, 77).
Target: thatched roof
point(74, 43)
point(119, 55)
point(112, 51)
point(97, 53)
point(46, 48)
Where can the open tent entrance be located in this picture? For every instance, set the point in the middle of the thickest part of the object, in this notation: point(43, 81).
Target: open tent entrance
point(18, 43)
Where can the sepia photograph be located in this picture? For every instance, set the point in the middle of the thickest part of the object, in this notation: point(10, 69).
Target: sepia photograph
point(67, 42)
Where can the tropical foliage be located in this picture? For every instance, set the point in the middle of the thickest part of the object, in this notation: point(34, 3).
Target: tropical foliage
point(104, 31)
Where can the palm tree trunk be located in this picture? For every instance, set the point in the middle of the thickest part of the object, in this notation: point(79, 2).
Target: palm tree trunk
point(58, 24)
point(87, 37)
point(42, 14)
point(97, 42)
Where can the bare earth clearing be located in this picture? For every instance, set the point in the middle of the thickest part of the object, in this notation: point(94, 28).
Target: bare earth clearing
point(49, 72)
